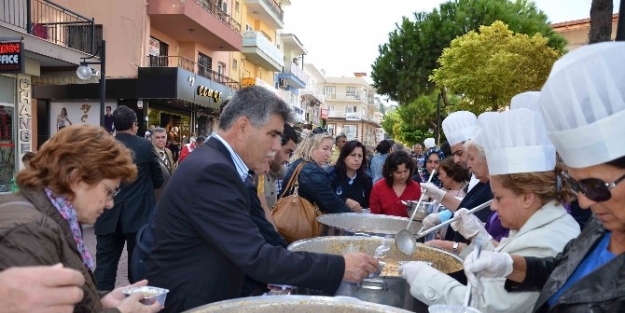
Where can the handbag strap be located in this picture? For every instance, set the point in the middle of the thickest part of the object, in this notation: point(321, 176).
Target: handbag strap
point(294, 177)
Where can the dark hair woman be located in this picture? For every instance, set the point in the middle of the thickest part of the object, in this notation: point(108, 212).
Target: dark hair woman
point(377, 162)
point(397, 185)
point(348, 178)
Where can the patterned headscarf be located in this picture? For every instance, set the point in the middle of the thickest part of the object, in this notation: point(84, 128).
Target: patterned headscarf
point(426, 176)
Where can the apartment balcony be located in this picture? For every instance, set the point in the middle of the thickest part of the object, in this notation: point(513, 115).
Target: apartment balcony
point(268, 11)
point(199, 21)
point(260, 51)
point(357, 98)
point(293, 76)
point(193, 67)
point(52, 34)
point(351, 116)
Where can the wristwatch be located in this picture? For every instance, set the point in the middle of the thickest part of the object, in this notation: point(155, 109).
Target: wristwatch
point(454, 248)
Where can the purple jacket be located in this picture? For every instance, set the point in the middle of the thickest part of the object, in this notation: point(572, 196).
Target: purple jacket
point(494, 227)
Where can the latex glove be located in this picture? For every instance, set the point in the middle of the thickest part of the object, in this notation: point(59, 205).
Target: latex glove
point(489, 265)
point(468, 225)
point(411, 270)
point(431, 220)
point(433, 191)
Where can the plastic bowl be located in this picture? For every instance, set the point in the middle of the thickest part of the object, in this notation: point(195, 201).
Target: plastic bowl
point(444, 308)
point(152, 294)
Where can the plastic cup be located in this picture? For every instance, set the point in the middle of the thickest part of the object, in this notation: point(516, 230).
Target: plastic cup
point(444, 308)
point(152, 294)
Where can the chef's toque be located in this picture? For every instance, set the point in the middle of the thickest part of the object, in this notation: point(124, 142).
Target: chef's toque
point(459, 126)
point(526, 100)
point(429, 143)
point(516, 141)
point(583, 104)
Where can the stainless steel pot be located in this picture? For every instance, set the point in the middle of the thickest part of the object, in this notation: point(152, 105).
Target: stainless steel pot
point(351, 224)
point(293, 304)
point(389, 288)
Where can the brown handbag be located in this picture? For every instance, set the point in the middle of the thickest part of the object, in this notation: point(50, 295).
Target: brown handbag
point(295, 217)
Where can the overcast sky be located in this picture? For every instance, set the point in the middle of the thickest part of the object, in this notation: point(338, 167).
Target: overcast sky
point(342, 36)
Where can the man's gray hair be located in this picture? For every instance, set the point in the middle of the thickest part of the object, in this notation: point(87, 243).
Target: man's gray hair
point(480, 149)
point(158, 130)
point(398, 146)
point(257, 104)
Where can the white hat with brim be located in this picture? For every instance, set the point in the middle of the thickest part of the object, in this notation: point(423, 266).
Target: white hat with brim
point(583, 104)
point(459, 127)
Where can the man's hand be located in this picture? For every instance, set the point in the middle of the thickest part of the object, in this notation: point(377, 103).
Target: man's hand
point(431, 220)
point(41, 289)
point(115, 297)
point(353, 205)
point(411, 270)
point(132, 305)
point(433, 191)
point(358, 266)
point(468, 225)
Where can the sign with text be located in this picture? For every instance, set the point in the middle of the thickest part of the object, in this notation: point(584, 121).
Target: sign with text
point(11, 57)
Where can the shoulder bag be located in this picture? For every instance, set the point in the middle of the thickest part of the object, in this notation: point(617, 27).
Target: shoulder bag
point(295, 217)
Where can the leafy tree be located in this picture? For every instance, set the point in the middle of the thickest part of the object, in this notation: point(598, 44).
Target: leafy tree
point(600, 21)
point(406, 61)
point(388, 124)
point(490, 67)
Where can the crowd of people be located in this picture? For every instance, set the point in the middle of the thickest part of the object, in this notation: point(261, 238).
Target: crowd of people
point(203, 228)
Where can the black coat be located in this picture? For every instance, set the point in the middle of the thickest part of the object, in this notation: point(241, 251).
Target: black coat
point(206, 241)
point(602, 290)
point(136, 200)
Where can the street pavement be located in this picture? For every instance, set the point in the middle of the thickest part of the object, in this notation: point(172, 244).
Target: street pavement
point(122, 269)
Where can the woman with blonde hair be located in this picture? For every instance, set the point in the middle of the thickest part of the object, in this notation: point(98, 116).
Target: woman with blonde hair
point(71, 180)
point(314, 182)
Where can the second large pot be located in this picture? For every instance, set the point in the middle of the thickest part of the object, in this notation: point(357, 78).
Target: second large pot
point(350, 224)
point(389, 288)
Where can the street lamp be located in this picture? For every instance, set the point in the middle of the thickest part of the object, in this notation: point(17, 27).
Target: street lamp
point(85, 72)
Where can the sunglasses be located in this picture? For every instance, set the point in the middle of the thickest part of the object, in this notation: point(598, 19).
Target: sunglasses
point(593, 188)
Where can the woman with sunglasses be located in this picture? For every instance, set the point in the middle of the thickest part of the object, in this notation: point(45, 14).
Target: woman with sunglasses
point(583, 105)
point(71, 180)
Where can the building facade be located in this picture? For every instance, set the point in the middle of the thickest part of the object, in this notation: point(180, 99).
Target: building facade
point(293, 79)
point(35, 37)
point(312, 98)
point(576, 31)
point(351, 108)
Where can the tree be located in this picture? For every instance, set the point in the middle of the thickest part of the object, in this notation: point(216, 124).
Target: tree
point(600, 21)
point(388, 124)
point(406, 61)
point(490, 67)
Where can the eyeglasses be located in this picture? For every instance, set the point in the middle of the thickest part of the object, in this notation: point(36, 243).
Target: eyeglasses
point(112, 192)
point(594, 189)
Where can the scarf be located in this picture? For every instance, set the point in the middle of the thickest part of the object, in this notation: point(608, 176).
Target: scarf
point(66, 210)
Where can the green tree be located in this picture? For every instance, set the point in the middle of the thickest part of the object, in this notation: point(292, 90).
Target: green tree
point(406, 61)
point(490, 67)
point(388, 124)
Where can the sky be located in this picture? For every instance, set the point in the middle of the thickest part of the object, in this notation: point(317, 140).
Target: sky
point(342, 36)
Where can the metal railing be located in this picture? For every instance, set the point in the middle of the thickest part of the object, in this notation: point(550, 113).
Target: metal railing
point(52, 22)
point(218, 12)
point(194, 67)
point(275, 8)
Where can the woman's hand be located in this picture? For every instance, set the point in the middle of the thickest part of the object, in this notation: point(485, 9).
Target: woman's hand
point(115, 297)
point(353, 205)
point(132, 305)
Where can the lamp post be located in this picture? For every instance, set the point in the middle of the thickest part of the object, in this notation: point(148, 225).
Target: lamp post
point(85, 72)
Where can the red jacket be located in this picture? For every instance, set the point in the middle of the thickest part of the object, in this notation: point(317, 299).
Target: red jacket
point(383, 199)
point(186, 149)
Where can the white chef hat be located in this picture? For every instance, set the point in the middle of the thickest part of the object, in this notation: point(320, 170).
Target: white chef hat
point(583, 104)
point(526, 100)
point(516, 141)
point(429, 143)
point(459, 126)
point(479, 137)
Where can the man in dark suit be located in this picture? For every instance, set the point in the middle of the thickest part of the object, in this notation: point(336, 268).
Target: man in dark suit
point(133, 204)
point(206, 241)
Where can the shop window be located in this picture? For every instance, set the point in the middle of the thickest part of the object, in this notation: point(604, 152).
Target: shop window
point(350, 131)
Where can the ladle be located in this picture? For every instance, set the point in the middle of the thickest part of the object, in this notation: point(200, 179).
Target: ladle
point(479, 243)
point(408, 245)
point(405, 240)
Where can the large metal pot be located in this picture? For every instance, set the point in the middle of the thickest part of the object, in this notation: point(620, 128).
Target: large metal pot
point(350, 224)
point(293, 304)
point(389, 288)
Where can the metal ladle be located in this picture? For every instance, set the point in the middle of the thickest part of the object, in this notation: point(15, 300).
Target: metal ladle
point(479, 243)
point(405, 241)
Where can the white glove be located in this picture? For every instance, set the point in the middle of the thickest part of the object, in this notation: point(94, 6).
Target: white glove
point(433, 191)
point(490, 265)
point(411, 270)
point(431, 220)
point(468, 225)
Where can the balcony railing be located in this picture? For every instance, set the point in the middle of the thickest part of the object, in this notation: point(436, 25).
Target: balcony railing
point(275, 8)
point(51, 22)
point(194, 67)
point(218, 12)
point(256, 39)
point(299, 73)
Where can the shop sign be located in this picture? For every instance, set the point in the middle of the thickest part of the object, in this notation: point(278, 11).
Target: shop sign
point(324, 114)
point(11, 57)
point(204, 91)
point(24, 89)
point(246, 82)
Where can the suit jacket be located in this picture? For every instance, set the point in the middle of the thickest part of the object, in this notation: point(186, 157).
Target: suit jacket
point(206, 241)
point(136, 200)
point(167, 170)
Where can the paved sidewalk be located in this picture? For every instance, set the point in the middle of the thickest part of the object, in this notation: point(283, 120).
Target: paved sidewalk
point(122, 268)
